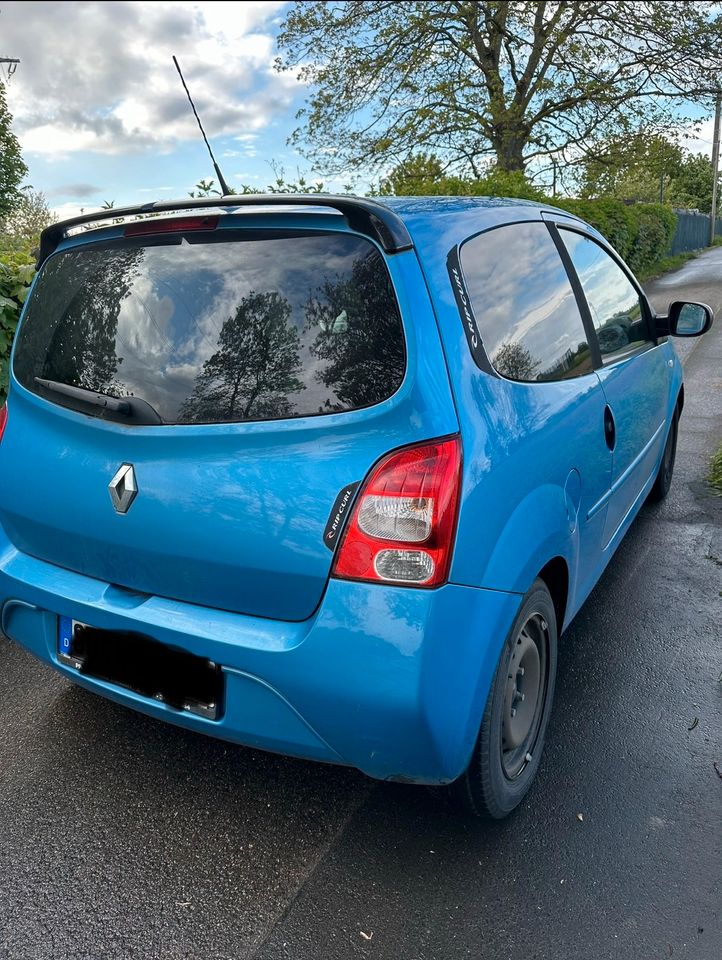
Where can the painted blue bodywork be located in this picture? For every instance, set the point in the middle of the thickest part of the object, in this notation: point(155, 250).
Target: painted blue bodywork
point(229, 517)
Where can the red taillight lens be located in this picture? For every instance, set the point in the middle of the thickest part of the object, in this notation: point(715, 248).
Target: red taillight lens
point(144, 228)
point(3, 419)
point(402, 527)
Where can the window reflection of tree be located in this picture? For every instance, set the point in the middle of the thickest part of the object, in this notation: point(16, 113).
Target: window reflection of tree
point(359, 335)
point(253, 373)
point(82, 347)
point(515, 361)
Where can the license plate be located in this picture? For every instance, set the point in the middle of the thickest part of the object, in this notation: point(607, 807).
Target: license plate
point(169, 675)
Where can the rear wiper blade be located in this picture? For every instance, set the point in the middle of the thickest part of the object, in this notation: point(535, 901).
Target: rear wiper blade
point(87, 396)
point(134, 408)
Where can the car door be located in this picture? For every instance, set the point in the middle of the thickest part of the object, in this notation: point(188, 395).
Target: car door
point(633, 372)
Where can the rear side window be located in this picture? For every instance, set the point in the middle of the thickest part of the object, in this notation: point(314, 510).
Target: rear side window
point(524, 304)
point(614, 303)
point(266, 327)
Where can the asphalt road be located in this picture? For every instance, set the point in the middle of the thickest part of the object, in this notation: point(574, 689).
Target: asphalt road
point(121, 837)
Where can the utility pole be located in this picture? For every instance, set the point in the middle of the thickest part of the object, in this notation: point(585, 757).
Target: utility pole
point(12, 63)
point(715, 165)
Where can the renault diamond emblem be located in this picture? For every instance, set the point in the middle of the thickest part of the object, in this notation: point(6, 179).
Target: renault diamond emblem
point(123, 488)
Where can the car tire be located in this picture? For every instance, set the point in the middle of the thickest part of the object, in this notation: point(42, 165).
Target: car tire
point(663, 480)
point(509, 746)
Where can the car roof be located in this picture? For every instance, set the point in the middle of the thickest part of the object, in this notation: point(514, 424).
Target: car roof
point(448, 221)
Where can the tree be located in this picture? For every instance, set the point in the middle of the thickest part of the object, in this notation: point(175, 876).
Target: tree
point(21, 229)
point(466, 79)
point(692, 184)
point(415, 176)
point(12, 168)
point(637, 167)
point(253, 372)
point(423, 175)
point(647, 169)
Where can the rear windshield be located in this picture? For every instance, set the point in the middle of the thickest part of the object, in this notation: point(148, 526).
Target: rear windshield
point(258, 328)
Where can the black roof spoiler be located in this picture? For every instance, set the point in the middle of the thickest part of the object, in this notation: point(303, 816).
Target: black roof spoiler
point(363, 215)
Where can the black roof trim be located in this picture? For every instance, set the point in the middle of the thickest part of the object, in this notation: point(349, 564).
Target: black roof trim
point(363, 215)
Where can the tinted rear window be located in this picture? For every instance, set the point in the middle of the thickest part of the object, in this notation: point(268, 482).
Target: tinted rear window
point(238, 329)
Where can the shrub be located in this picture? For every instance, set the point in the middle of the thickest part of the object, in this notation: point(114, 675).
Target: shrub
point(16, 274)
point(641, 233)
point(655, 225)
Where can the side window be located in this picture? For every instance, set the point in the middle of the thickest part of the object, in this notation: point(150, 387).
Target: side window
point(613, 302)
point(524, 304)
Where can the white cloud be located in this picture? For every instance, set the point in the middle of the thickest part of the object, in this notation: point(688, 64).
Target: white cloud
point(99, 76)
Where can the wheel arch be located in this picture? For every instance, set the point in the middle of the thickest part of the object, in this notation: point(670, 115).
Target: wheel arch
point(537, 540)
point(555, 575)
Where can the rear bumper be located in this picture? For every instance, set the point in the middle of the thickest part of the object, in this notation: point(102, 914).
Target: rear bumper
point(390, 680)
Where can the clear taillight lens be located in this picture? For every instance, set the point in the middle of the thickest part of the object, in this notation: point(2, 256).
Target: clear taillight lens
point(402, 527)
point(409, 566)
point(396, 518)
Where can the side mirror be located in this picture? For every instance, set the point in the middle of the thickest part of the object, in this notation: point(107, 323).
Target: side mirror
point(689, 319)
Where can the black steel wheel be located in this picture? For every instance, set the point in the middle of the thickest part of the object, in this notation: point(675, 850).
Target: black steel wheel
point(509, 746)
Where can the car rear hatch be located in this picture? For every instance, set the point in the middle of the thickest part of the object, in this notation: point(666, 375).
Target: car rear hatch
point(232, 378)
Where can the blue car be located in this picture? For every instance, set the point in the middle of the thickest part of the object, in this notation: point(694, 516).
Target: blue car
point(328, 476)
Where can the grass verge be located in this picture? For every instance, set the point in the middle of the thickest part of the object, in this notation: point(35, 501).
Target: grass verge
point(668, 263)
point(715, 472)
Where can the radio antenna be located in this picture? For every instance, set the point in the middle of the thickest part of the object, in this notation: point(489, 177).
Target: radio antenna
point(221, 179)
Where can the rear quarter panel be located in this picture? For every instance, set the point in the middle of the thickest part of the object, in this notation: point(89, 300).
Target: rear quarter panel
point(518, 439)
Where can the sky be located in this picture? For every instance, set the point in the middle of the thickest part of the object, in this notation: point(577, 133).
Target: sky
point(100, 112)
point(101, 115)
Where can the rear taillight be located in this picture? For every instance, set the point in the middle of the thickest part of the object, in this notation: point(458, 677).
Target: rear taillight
point(402, 527)
point(3, 419)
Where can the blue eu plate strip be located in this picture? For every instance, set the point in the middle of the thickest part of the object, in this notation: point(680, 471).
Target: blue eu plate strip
point(65, 635)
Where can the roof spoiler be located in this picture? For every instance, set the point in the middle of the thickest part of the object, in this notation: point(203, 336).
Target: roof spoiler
point(365, 216)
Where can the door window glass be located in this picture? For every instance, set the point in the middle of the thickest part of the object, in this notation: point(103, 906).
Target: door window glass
point(614, 303)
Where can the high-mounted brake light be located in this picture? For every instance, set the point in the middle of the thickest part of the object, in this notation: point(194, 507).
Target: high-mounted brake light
point(3, 419)
point(144, 228)
point(403, 524)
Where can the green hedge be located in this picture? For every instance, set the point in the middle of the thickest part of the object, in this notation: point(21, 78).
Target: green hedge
point(641, 234)
point(16, 273)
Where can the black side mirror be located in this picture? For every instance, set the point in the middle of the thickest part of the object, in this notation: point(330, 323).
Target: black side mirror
point(686, 319)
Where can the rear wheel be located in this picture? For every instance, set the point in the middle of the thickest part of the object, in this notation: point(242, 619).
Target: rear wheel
point(509, 746)
point(663, 480)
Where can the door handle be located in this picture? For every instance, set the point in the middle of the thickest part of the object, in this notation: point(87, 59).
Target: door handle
point(610, 429)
